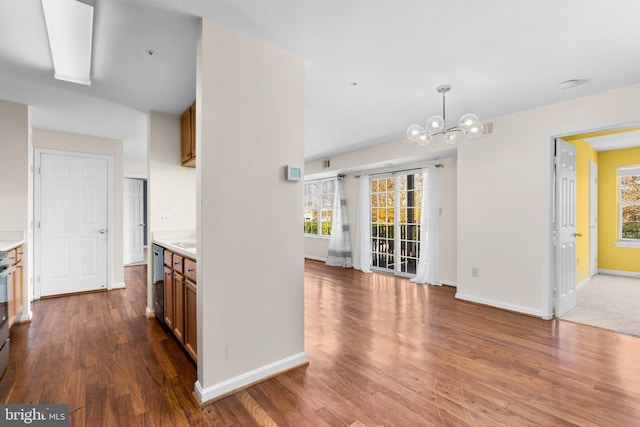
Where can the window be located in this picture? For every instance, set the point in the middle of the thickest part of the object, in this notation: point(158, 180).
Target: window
point(318, 206)
point(629, 204)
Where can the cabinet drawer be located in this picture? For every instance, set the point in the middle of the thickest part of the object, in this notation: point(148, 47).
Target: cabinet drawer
point(190, 269)
point(168, 260)
point(178, 263)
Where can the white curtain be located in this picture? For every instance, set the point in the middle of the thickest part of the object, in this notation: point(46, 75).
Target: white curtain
point(362, 245)
point(428, 271)
point(340, 244)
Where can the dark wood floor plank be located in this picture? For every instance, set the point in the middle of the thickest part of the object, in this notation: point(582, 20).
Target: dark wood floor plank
point(382, 350)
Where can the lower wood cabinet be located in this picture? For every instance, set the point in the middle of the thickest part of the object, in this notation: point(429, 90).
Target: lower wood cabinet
point(180, 300)
point(14, 284)
point(190, 327)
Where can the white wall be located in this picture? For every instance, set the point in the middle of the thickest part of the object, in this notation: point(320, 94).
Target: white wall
point(317, 247)
point(64, 141)
point(171, 188)
point(15, 179)
point(504, 195)
point(250, 124)
point(135, 169)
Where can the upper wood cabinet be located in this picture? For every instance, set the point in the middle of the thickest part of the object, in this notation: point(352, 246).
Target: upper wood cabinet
point(188, 136)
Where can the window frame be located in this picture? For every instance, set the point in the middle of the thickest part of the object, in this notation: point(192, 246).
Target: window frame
point(621, 172)
point(318, 203)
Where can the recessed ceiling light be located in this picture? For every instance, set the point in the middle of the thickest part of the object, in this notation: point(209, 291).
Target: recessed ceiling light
point(150, 52)
point(572, 83)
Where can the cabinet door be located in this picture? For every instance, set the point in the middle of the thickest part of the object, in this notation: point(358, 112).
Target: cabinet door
point(193, 131)
point(17, 289)
point(178, 306)
point(186, 137)
point(190, 316)
point(168, 298)
point(11, 298)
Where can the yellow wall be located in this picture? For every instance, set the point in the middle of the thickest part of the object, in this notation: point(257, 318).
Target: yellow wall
point(584, 154)
point(611, 257)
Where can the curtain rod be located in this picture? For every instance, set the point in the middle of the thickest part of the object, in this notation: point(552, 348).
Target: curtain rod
point(438, 165)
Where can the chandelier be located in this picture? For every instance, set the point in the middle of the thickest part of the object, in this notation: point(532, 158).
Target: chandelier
point(436, 125)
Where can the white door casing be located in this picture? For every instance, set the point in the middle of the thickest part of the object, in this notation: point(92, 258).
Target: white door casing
point(565, 227)
point(133, 220)
point(593, 219)
point(72, 215)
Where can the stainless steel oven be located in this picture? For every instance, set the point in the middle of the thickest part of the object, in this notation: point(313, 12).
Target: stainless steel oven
point(5, 268)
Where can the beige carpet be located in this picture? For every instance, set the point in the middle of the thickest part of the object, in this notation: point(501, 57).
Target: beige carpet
point(609, 302)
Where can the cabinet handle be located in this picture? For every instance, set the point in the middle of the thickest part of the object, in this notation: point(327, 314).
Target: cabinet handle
point(191, 270)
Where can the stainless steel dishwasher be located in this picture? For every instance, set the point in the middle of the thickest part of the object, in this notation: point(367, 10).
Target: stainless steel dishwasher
point(158, 282)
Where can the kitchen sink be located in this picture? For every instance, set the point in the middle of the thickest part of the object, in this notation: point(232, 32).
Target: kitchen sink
point(186, 245)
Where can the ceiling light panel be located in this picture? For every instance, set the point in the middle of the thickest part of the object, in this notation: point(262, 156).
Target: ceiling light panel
point(70, 30)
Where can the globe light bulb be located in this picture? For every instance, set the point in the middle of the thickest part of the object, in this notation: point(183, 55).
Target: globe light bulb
point(414, 132)
point(451, 137)
point(424, 138)
point(435, 124)
point(467, 122)
point(475, 131)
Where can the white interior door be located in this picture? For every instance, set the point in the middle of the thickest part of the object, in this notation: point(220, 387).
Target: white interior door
point(73, 218)
point(565, 227)
point(593, 219)
point(133, 220)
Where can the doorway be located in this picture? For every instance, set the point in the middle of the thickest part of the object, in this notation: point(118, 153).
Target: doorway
point(396, 200)
point(134, 220)
point(601, 245)
point(71, 214)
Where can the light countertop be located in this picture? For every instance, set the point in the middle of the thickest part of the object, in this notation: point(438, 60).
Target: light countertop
point(6, 245)
point(181, 247)
point(180, 242)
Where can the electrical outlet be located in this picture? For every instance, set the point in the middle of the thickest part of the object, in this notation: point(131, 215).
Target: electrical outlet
point(164, 217)
point(475, 271)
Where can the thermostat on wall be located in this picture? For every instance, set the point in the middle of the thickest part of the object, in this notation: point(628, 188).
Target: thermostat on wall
point(293, 174)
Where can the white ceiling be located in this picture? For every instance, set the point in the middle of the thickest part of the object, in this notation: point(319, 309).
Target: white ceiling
point(615, 141)
point(500, 56)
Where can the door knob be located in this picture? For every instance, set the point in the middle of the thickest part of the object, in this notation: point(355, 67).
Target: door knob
point(102, 231)
point(577, 234)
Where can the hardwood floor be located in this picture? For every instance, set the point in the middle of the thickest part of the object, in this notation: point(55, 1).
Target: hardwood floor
point(382, 350)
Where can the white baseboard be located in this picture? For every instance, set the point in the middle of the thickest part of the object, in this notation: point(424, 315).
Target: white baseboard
point(118, 285)
point(24, 317)
point(315, 258)
point(619, 273)
point(149, 313)
point(450, 283)
point(498, 304)
point(241, 381)
point(584, 282)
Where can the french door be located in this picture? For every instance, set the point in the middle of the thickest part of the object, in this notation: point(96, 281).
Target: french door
point(396, 201)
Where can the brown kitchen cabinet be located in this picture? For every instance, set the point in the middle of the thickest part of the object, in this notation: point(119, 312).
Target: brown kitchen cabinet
point(188, 136)
point(180, 300)
point(190, 326)
point(14, 284)
point(168, 294)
